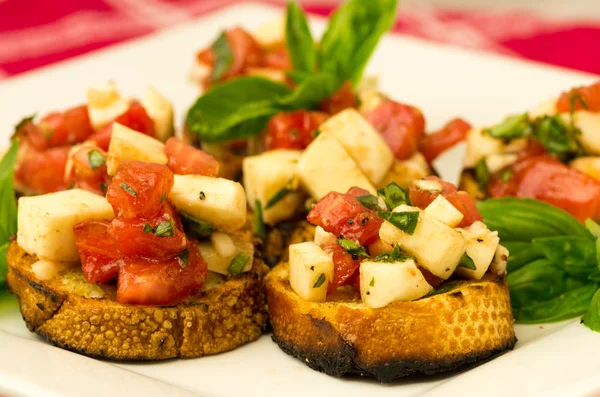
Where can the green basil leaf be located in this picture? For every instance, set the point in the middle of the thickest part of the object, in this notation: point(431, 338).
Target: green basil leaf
point(369, 201)
point(482, 173)
point(24, 121)
point(393, 195)
point(223, 57)
point(405, 221)
point(165, 229)
point(372, 282)
point(298, 39)
point(512, 127)
point(298, 76)
point(96, 159)
point(259, 224)
point(128, 189)
point(3, 264)
point(310, 93)
point(594, 229)
point(280, 194)
point(352, 247)
point(195, 228)
point(467, 262)
point(236, 266)
point(591, 318)
point(570, 304)
point(538, 281)
point(521, 253)
point(184, 256)
point(319, 281)
point(575, 255)
point(8, 204)
point(557, 137)
point(397, 255)
point(352, 35)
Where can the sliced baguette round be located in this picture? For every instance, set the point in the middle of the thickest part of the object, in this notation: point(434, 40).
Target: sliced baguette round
point(71, 313)
point(470, 322)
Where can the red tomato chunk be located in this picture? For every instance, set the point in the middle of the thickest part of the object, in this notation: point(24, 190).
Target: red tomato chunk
point(185, 159)
point(98, 251)
point(455, 131)
point(345, 266)
point(295, 130)
point(580, 98)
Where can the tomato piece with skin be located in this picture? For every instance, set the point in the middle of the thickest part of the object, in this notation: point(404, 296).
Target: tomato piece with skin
point(276, 58)
point(294, 130)
point(41, 172)
point(342, 215)
point(344, 266)
point(455, 131)
point(343, 98)
point(135, 118)
point(33, 135)
point(138, 190)
point(97, 250)
point(162, 281)
point(85, 175)
point(185, 159)
point(67, 128)
point(431, 279)
point(590, 95)
point(401, 126)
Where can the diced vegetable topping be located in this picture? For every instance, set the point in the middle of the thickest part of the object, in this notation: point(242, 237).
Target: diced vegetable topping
point(185, 159)
point(434, 144)
point(293, 130)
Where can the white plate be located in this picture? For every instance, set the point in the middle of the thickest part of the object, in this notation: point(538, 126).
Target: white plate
point(550, 360)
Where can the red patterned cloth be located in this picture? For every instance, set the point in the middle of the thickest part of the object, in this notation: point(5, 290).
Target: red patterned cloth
point(35, 33)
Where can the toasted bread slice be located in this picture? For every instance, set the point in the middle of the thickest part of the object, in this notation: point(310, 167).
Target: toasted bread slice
point(71, 313)
point(471, 321)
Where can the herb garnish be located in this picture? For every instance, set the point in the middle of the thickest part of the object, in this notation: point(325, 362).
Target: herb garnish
point(236, 266)
point(165, 229)
point(506, 174)
point(393, 195)
point(352, 247)
point(24, 121)
point(163, 198)
point(512, 127)
point(223, 57)
point(103, 188)
point(184, 256)
point(405, 221)
point(196, 228)
point(372, 283)
point(148, 228)
point(128, 189)
point(96, 159)
point(280, 194)
point(397, 255)
point(482, 173)
point(467, 262)
point(369, 201)
point(319, 281)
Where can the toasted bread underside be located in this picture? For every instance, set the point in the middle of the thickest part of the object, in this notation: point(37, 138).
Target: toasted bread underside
point(75, 315)
point(470, 322)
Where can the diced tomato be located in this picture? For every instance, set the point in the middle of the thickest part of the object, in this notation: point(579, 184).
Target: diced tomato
point(135, 118)
point(276, 58)
point(342, 215)
point(41, 172)
point(590, 95)
point(67, 128)
point(342, 99)
point(432, 280)
point(295, 130)
point(163, 281)
point(462, 201)
point(344, 266)
point(356, 191)
point(185, 159)
point(455, 131)
point(97, 250)
point(89, 171)
point(400, 125)
point(547, 179)
point(139, 190)
point(33, 135)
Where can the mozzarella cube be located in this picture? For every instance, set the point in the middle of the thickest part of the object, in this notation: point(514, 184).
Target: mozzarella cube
point(481, 248)
point(223, 204)
point(437, 247)
point(311, 270)
point(324, 238)
point(588, 165)
point(384, 283)
point(498, 161)
point(442, 210)
point(362, 142)
point(325, 167)
point(160, 111)
point(428, 185)
point(127, 144)
point(480, 144)
point(46, 222)
point(265, 176)
point(271, 33)
point(589, 125)
point(105, 104)
point(546, 108)
point(498, 266)
point(404, 172)
point(222, 249)
point(46, 270)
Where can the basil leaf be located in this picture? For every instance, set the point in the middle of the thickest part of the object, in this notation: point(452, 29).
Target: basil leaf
point(310, 93)
point(594, 229)
point(319, 281)
point(521, 253)
point(369, 201)
point(3, 264)
point(570, 304)
point(405, 221)
point(482, 174)
point(591, 318)
point(128, 189)
point(184, 256)
point(352, 247)
point(223, 57)
point(557, 137)
point(8, 204)
point(96, 159)
point(352, 35)
point(538, 281)
point(195, 228)
point(372, 283)
point(518, 219)
point(279, 195)
point(298, 76)
point(512, 127)
point(259, 223)
point(298, 39)
point(575, 255)
point(467, 262)
point(397, 255)
point(24, 121)
point(393, 195)
point(165, 229)
point(236, 266)
point(148, 228)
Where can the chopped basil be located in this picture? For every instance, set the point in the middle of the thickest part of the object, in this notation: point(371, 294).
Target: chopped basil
point(316, 133)
point(397, 255)
point(195, 228)
point(372, 283)
point(165, 229)
point(294, 133)
point(24, 121)
point(223, 57)
point(259, 224)
point(236, 266)
point(184, 256)
point(319, 281)
point(96, 159)
point(103, 188)
point(467, 262)
point(482, 173)
point(558, 137)
point(163, 198)
point(202, 196)
point(405, 221)
point(506, 175)
point(280, 194)
point(148, 228)
point(128, 189)
point(393, 195)
point(352, 247)
point(512, 127)
point(369, 201)
point(576, 97)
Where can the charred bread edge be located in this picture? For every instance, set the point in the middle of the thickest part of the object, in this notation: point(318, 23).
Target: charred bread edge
point(220, 320)
point(337, 353)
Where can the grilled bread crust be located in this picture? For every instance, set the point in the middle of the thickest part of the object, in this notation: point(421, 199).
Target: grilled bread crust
point(471, 322)
point(75, 315)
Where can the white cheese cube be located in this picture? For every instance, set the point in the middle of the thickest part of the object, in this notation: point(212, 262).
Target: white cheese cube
point(546, 108)
point(480, 144)
point(588, 165)
point(270, 33)
point(105, 104)
point(362, 142)
point(325, 167)
point(404, 172)
point(46, 270)
point(324, 238)
point(384, 283)
point(265, 176)
point(428, 185)
point(498, 161)
point(160, 111)
point(127, 144)
point(437, 247)
point(589, 125)
point(379, 247)
point(498, 266)
point(219, 257)
point(223, 204)
point(311, 270)
point(46, 222)
point(442, 210)
point(481, 248)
